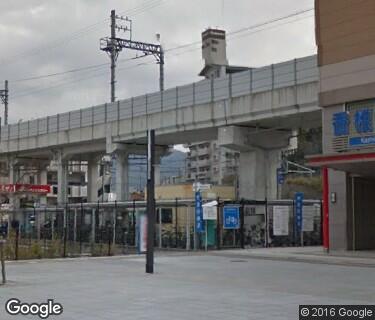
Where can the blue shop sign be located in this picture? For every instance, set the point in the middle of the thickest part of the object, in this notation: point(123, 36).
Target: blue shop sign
point(340, 123)
point(361, 141)
point(363, 121)
point(231, 217)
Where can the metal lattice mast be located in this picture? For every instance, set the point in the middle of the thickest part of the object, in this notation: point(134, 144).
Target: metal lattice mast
point(113, 45)
point(117, 23)
point(113, 55)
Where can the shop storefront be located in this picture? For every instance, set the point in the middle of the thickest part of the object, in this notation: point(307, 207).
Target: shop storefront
point(345, 33)
point(349, 176)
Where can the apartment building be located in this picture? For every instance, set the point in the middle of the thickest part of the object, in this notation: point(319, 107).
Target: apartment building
point(209, 163)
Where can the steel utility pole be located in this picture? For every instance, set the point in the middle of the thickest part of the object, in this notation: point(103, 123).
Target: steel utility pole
point(150, 202)
point(113, 45)
point(121, 24)
point(4, 95)
point(161, 66)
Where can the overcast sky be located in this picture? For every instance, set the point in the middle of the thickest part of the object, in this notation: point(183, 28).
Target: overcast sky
point(41, 37)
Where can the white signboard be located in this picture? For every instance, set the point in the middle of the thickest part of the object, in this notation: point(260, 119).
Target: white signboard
point(308, 218)
point(112, 197)
point(210, 211)
point(280, 220)
point(142, 233)
point(197, 186)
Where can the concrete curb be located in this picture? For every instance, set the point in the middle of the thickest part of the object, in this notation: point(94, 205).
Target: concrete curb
point(302, 258)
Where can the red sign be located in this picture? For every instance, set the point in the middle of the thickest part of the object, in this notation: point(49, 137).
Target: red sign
point(26, 188)
point(7, 188)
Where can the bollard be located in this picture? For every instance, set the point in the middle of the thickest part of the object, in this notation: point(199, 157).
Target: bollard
point(2, 260)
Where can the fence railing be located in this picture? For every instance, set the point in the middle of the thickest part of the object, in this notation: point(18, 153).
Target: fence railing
point(276, 76)
point(98, 229)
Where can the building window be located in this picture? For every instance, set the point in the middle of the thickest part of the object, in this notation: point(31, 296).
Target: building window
point(166, 215)
point(214, 49)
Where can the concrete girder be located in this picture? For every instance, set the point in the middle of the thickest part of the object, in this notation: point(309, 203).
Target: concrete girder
point(260, 156)
point(246, 139)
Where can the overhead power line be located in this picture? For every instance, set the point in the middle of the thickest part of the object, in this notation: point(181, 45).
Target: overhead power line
point(187, 45)
point(96, 66)
point(231, 35)
point(245, 29)
point(294, 14)
point(148, 5)
point(28, 93)
point(49, 75)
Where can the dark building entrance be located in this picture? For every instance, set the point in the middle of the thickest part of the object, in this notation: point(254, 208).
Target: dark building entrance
point(361, 223)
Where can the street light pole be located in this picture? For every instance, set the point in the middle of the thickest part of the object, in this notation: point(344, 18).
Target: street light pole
point(150, 202)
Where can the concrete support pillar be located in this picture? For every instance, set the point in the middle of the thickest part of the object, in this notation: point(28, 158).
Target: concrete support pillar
point(114, 221)
point(260, 156)
point(93, 224)
point(120, 176)
point(157, 174)
point(62, 179)
point(188, 228)
point(92, 180)
point(160, 152)
point(160, 228)
point(257, 174)
point(13, 172)
point(53, 225)
point(38, 223)
point(75, 225)
point(13, 179)
point(42, 179)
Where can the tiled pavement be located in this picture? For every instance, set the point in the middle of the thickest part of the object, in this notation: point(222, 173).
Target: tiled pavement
point(184, 287)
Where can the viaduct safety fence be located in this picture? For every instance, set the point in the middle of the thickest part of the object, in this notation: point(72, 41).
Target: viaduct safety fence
point(115, 228)
point(286, 74)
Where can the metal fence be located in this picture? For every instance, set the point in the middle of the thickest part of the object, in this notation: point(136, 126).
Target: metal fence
point(98, 229)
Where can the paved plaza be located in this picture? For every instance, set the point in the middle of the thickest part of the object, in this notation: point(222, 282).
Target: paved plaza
point(197, 286)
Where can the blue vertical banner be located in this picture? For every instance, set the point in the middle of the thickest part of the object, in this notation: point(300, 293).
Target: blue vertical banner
point(298, 198)
point(199, 223)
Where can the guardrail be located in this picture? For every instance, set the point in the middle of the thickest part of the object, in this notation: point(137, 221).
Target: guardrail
point(276, 76)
